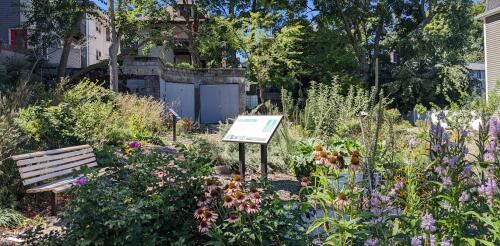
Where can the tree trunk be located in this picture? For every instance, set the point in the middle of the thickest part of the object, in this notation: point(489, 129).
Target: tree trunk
point(113, 49)
point(75, 29)
point(261, 91)
point(63, 61)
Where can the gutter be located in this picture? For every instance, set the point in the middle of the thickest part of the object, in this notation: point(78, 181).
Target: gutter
point(488, 13)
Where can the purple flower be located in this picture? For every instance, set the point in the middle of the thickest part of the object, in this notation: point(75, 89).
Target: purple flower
point(464, 197)
point(134, 145)
point(446, 206)
point(441, 115)
point(428, 223)
point(446, 180)
point(372, 242)
point(81, 181)
point(446, 242)
point(437, 131)
point(416, 241)
point(489, 188)
point(451, 161)
point(467, 171)
point(432, 240)
point(436, 148)
point(412, 142)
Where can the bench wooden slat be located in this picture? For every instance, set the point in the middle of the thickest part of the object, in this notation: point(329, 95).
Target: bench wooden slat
point(53, 157)
point(56, 174)
point(55, 163)
point(52, 185)
point(49, 152)
point(57, 168)
point(62, 188)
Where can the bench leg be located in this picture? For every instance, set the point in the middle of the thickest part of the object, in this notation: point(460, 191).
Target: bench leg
point(54, 204)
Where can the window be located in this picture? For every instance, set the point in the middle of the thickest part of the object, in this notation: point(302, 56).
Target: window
point(108, 35)
point(97, 54)
point(18, 38)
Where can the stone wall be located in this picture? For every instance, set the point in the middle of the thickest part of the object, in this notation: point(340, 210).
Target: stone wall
point(152, 70)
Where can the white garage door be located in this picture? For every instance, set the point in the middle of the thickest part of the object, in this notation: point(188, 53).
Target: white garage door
point(219, 102)
point(180, 97)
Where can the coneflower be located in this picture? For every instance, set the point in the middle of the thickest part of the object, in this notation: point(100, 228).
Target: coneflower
point(204, 226)
point(204, 201)
point(233, 218)
point(255, 197)
point(198, 214)
point(341, 201)
point(209, 216)
point(240, 197)
point(228, 202)
point(252, 208)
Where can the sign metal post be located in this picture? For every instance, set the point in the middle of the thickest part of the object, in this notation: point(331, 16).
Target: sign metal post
point(255, 130)
point(175, 117)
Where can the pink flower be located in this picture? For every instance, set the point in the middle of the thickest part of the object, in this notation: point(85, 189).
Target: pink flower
point(341, 201)
point(209, 216)
point(232, 218)
point(252, 208)
point(198, 214)
point(304, 181)
point(243, 206)
point(81, 181)
point(255, 197)
point(240, 197)
point(134, 145)
point(228, 202)
point(204, 201)
point(204, 226)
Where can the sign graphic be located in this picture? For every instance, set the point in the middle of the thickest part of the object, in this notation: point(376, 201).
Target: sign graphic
point(253, 129)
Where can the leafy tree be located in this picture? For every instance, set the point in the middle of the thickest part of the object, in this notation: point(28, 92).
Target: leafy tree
point(270, 57)
point(53, 21)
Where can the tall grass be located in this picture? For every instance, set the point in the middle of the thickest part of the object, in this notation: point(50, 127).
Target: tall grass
point(327, 111)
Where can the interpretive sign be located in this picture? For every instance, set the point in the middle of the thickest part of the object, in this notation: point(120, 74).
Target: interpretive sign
point(253, 129)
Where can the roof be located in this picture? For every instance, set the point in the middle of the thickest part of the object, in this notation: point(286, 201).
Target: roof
point(492, 4)
point(492, 8)
point(475, 66)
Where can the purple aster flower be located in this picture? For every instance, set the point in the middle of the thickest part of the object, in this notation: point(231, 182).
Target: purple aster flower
point(436, 148)
point(416, 241)
point(81, 181)
point(428, 223)
point(134, 145)
point(446, 205)
point(451, 161)
point(432, 240)
point(441, 115)
point(446, 180)
point(464, 197)
point(465, 150)
point(467, 171)
point(412, 142)
point(446, 242)
point(372, 242)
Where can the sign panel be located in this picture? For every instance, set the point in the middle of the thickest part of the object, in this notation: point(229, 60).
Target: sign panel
point(253, 129)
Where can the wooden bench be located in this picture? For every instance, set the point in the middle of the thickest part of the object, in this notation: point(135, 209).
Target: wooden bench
point(53, 170)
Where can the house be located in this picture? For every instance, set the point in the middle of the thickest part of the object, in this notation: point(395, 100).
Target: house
point(477, 76)
point(491, 19)
point(90, 48)
point(181, 28)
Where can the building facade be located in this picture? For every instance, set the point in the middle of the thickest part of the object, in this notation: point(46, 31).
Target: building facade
point(491, 18)
point(92, 47)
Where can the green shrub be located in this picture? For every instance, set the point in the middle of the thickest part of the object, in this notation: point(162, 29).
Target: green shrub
point(302, 160)
point(10, 218)
point(148, 203)
point(91, 114)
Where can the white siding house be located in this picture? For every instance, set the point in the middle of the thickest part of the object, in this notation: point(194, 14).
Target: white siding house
point(491, 18)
